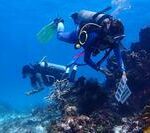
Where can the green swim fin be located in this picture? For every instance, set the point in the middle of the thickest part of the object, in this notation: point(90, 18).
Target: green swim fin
point(46, 33)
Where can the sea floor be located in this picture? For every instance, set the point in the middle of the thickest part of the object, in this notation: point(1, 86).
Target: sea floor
point(22, 123)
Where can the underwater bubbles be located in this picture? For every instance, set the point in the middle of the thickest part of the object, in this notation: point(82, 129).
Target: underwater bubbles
point(120, 5)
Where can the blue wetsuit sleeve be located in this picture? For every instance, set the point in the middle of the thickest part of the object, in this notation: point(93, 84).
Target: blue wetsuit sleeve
point(118, 56)
point(69, 37)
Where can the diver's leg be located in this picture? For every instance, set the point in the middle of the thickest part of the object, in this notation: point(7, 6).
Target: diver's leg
point(73, 73)
point(33, 91)
point(88, 60)
point(66, 74)
point(39, 86)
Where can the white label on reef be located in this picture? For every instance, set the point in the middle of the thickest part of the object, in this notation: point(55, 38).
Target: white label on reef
point(123, 92)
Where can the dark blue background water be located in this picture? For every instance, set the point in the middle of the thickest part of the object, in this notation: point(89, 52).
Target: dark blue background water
point(20, 20)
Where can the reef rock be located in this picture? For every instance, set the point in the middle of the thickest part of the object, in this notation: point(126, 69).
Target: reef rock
point(144, 41)
point(137, 62)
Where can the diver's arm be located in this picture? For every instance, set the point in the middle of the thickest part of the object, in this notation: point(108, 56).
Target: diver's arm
point(120, 63)
point(118, 56)
point(35, 88)
point(37, 84)
point(40, 81)
point(69, 37)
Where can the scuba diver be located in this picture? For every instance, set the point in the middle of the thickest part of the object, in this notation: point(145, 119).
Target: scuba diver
point(45, 74)
point(95, 32)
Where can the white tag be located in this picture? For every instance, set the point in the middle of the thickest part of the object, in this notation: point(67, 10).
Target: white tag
point(123, 92)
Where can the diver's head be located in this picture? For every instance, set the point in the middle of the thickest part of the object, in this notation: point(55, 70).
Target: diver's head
point(74, 16)
point(27, 70)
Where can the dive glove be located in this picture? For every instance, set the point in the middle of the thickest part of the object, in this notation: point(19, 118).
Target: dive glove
point(124, 77)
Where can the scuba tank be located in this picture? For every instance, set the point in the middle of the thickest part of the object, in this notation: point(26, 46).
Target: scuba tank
point(85, 16)
point(89, 21)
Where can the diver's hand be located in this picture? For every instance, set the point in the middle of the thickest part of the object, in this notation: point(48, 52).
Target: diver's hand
point(124, 77)
point(58, 20)
point(33, 91)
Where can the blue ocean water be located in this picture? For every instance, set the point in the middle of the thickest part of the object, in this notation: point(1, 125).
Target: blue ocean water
point(21, 20)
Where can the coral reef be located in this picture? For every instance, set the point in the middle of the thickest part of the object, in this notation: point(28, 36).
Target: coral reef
point(144, 42)
point(84, 107)
point(137, 62)
point(86, 95)
point(144, 118)
point(87, 106)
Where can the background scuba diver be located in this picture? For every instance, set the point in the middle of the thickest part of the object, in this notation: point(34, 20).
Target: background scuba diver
point(108, 34)
point(45, 74)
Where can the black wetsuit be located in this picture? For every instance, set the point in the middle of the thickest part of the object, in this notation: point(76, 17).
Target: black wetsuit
point(45, 76)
